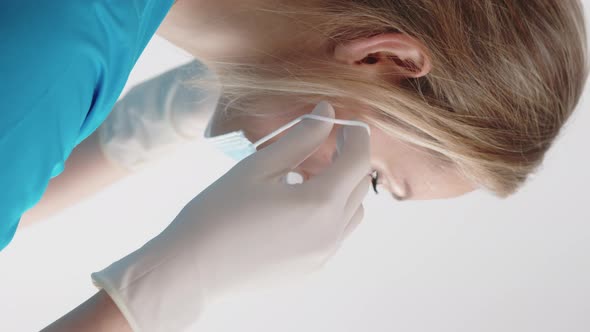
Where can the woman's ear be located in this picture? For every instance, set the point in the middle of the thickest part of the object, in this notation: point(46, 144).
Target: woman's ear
point(394, 54)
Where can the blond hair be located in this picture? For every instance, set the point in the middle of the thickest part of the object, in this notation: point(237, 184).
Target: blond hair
point(506, 76)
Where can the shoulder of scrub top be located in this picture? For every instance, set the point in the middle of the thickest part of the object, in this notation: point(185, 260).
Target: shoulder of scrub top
point(62, 66)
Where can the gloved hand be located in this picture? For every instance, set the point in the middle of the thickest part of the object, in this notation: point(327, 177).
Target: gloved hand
point(156, 116)
point(245, 230)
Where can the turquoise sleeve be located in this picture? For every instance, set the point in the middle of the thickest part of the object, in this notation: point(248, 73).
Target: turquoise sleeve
point(63, 65)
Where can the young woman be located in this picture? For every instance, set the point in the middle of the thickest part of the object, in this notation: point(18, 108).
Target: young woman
point(459, 95)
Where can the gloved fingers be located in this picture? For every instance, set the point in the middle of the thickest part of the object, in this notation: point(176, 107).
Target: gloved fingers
point(351, 225)
point(352, 215)
point(356, 197)
point(349, 167)
point(297, 145)
point(354, 222)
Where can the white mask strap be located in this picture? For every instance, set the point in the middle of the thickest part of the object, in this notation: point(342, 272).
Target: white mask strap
point(314, 117)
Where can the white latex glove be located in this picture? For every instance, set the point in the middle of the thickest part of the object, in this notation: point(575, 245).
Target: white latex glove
point(158, 115)
point(245, 230)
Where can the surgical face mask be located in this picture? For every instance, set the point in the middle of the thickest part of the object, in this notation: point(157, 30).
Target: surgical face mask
point(237, 146)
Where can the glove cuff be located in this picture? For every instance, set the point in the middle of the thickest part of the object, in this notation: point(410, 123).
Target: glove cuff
point(155, 291)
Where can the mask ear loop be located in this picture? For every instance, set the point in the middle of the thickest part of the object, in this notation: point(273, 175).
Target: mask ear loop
point(313, 117)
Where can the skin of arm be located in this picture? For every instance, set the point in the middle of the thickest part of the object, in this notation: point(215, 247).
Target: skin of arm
point(87, 171)
point(99, 313)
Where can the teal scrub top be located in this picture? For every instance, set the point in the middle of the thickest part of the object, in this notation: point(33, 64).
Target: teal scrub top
point(63, 65)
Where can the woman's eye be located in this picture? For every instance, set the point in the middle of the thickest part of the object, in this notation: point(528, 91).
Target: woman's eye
point(375, 181)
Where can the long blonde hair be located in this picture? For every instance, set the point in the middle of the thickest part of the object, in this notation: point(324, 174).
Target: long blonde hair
point(506, 76)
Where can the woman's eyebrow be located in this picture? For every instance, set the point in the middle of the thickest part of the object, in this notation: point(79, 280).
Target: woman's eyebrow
point(407, 192)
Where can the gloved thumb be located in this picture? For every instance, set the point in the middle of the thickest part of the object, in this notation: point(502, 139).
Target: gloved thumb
point(298, 144)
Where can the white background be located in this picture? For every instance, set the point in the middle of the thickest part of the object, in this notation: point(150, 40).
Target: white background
point(470, 264)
